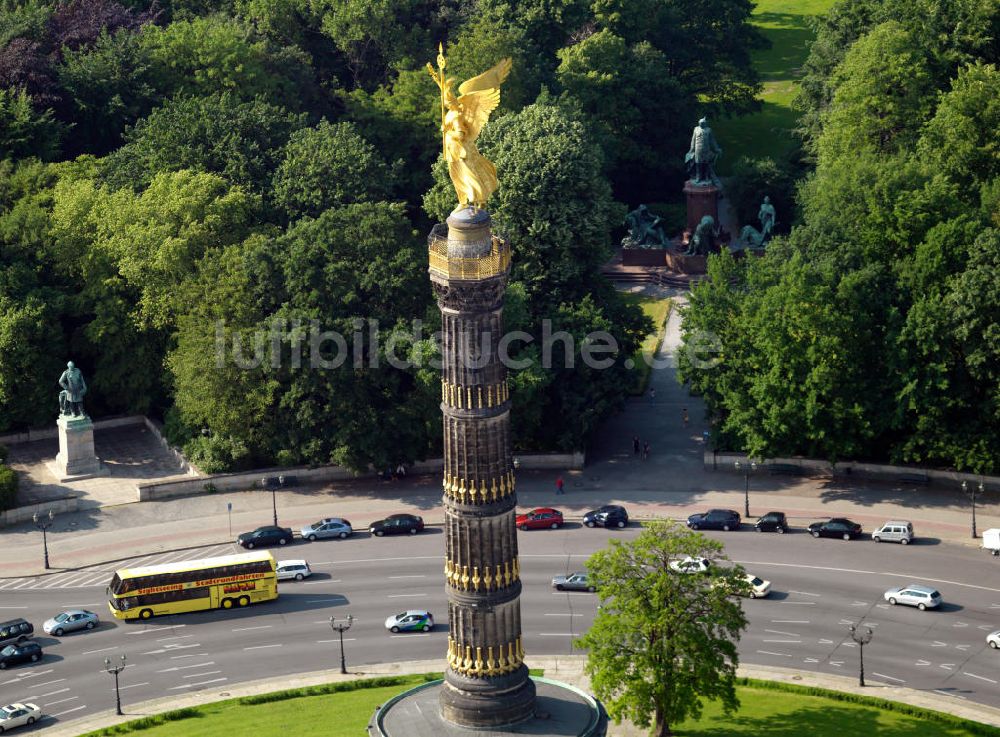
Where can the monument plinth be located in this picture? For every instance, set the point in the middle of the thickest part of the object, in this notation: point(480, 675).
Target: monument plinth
point(76, 458)
point(702, 200)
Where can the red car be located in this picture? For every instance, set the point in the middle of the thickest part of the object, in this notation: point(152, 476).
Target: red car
point(540, 519)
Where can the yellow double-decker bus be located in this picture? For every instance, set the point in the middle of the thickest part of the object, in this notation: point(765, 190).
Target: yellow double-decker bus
point(193, 585)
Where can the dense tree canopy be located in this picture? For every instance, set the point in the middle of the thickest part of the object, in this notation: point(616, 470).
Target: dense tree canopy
point(870, 332)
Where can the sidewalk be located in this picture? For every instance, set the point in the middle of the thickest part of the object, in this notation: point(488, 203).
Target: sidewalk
point(671, 483)
point(566, 668)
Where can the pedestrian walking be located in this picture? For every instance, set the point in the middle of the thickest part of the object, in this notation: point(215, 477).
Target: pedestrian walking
point(636, 445)
point(559, 485)
point(684, 416)
point(645, 450)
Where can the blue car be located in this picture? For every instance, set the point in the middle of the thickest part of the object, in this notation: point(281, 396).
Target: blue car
point(414, 620)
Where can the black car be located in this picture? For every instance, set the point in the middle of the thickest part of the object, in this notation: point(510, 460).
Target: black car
point(609, 515)
point(16, 630)
point(772, 522)
point(269, 535)
point(836, 527)
point(397, 524)
point(24, 652)
point(715, 519)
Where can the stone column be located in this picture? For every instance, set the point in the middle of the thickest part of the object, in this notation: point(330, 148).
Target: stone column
point(702, 200)
point(486, 683)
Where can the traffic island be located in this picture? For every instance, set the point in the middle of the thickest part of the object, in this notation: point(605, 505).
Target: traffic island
point(560, 710)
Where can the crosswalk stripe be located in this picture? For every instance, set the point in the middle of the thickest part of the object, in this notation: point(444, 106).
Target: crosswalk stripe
point(5, 584)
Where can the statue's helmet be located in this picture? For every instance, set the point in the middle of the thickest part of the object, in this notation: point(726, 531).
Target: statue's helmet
point(703, 121)
point(767, 199)
point(69, 365)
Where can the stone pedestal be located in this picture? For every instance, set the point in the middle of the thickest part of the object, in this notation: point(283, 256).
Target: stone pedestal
point(644, 256)
point(76, 457)
point(701, 201)
point(691, 265)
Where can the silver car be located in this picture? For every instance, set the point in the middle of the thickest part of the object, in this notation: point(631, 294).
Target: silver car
point(572, 582)
point(70, 620)
point(329, 527)
point(914, 594)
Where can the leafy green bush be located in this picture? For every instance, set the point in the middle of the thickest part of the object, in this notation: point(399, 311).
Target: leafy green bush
point(8, 487)
point(217, 454)
point(155, 720)
point(4, 453)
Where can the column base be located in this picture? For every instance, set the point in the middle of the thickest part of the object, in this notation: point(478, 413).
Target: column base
point(488, 702)
point(76, 459)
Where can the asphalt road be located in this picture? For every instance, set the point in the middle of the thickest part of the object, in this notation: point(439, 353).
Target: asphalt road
point(819, 588)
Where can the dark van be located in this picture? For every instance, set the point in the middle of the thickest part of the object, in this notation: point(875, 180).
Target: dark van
point(16, 630)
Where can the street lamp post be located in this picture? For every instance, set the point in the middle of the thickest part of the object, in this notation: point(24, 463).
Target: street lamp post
point(42, 525)
point(115, 670)
point(341, 627)
point(862, 639)
point(748, 468)
point(266, 483)
point(972, 490)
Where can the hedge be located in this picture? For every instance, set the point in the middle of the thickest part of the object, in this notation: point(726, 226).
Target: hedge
point(8, 488)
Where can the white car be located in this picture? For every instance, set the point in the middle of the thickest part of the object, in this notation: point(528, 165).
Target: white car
point(293, 569)
point(993, 639)
point(691, 565)
point(759, 588)
point(914, 594)
point(18, 715)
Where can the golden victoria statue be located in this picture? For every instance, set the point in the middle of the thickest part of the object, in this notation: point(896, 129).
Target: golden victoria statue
point(474, 176)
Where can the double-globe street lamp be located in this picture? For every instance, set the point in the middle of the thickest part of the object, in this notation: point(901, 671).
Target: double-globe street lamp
point(971, 490)
point(341, 627)
point(42, 524)
point(115, 670)
point(862, 639)
point(747, 468)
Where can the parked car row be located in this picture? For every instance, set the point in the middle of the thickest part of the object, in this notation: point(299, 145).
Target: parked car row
point(331, 527)
point(899, 531)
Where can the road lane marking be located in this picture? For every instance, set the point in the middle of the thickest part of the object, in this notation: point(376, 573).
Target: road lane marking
point(51, 693)
point(768, 652)
point(13, 607)
point(923, 662)
point(322, 601)
point(68, 711)
point(960, 624)
point(414, 576)
point(405, 596)
point(793, 642)
point(789, 621)
point(346, 639)
point(810, 660)
point(802, 593)
point(185, 667)
point(836, 663)
point(11, 582)
point(262, 647)
point(779, 632)
point(556, 634)
point(562, 614)
point(938, 643)
point(202, 675)
point(947, 666)
point(963, 648)
point(60, 701)
point(859, 603)
point(171, 648)
point(412, 634)
point(26, 676)
point(798, 603)
point(192, 655)
point(199, 683)
point(981, 678)
point(47, 683)
point(154, 630)
point(891, 678)
point(863, 572)
point(824, 641)
point(173, 637)
point(258, 627)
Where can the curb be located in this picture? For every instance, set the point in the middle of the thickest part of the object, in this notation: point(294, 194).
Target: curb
point(567, 668)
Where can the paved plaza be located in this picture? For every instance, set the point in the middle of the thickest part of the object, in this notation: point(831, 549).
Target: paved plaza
point(131, 454)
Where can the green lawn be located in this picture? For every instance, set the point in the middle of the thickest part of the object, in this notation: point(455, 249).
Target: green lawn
point(656, 310)
point(768, 132)
point(782, 714)
point(767, 711)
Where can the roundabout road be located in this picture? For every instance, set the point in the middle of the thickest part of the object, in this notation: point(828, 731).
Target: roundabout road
point(819, 588)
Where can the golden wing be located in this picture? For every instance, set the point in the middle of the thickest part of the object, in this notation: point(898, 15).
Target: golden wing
point(476, 108)
point(491, 78)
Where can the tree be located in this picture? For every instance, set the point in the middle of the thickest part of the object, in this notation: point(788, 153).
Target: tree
point(219, 134)
point(662, 641)
point(76, 24)
point(25, 132)
point(107, 87)
point(329, 166)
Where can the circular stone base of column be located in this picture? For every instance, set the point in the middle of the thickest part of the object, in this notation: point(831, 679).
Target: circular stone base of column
point(560, 711)
point(491, 702)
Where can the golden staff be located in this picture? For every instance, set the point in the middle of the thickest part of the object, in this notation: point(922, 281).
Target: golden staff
point(441, 65)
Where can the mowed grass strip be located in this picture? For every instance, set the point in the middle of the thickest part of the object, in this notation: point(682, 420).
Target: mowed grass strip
point(776, 709)
point(769, 132)
point(657, 310)
point(782, 710)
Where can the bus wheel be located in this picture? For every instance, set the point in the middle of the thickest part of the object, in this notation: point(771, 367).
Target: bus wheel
point(244, 601)
point(227, 603)
point(145, 614)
